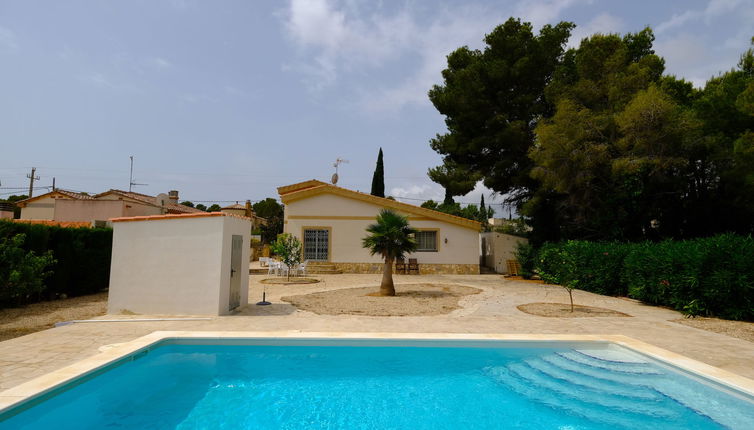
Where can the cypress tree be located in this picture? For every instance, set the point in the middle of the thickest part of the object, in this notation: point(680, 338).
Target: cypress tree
point(483, 214)
point(378, 180)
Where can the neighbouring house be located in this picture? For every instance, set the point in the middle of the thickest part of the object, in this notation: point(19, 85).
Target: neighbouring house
point(498, 249)
point(68, 206)
point(331, 222)
point(245, 211)
point(6, 210)
point(179, 264)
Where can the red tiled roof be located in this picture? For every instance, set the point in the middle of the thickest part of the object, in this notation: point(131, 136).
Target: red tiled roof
point(174, 216)
point(65, 224)
point(172, 208)
point(71, 194)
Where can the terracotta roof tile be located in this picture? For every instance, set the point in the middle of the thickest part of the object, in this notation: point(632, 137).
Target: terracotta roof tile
point(176, 216)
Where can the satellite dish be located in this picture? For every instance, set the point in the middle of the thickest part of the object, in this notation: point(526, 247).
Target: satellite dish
point(162, 199)
point(334, 179)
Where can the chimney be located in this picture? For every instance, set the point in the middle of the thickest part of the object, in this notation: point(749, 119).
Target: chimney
point(173, 196)
point(249, 210)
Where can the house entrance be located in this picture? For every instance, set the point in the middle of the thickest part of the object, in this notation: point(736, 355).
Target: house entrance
point(316, 244)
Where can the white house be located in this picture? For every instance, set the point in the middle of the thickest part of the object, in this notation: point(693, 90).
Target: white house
point(331, 222)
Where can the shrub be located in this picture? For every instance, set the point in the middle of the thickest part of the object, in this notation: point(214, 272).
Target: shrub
point(594, 266)
point(82, 255)
point(21, 271)
point(526, 254)
point(706, 276)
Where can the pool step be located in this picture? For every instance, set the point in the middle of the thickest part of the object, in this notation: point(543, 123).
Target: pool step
point(619, 393)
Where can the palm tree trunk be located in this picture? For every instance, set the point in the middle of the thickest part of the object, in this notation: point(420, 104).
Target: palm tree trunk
point(386, 287)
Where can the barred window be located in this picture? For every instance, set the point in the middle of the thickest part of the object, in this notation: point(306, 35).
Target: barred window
point(427, 240)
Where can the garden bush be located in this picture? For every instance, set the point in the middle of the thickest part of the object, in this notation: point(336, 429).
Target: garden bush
point(526, 255)
point(593, 266)
point(82, 256)
point(22, 272)
point(707, 276)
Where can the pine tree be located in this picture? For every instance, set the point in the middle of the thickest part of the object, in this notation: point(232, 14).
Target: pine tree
point(378, 180)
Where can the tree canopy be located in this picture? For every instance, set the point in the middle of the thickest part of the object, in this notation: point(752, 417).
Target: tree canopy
point(595, 142)
point(378, 179)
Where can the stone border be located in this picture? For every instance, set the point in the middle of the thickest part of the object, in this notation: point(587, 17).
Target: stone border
point(292, 281)
point(37, 388)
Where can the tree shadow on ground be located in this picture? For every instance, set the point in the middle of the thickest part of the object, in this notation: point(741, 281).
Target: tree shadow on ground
point(274, 309)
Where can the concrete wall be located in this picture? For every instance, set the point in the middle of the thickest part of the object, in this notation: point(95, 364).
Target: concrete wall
point(348, 219)
point(175, 266)
point(498, 248)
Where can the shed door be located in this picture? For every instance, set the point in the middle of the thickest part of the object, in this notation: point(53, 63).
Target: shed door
point(316, 244)
point(236, 252)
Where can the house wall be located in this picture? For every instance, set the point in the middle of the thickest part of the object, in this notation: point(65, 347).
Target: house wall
point(43, 208)
point(175, 266)
point(348, 219)
point(87, 210)
point(497, 248)
point(6, 214)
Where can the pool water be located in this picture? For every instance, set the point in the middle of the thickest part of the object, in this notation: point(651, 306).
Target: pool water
point(387, 387)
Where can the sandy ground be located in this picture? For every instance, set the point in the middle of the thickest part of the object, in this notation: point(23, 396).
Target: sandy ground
point(739, 329)
point(563, 310)
point(410, 299)
point(15, 322)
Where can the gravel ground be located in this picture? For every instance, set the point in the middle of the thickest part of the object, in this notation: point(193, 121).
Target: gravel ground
point(410, 300)
point(738, 329)
point(563, 310)
point(15, 322)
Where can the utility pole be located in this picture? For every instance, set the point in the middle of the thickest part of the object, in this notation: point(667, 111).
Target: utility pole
point(53, 184)
point(32, 178)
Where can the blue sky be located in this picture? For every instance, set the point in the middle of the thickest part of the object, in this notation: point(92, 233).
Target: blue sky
point(226, 100)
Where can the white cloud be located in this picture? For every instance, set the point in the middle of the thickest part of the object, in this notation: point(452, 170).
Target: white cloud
point(335, 37)
point(99, 80)
point(603, 23)
point(418, 192)
point(8, 40)
point(677, 20)
point(159, 63)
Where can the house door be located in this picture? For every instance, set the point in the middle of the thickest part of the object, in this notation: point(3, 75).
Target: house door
point(316, 244)
point(236, 252)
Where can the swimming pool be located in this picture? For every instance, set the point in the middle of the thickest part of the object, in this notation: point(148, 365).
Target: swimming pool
point(369, 383)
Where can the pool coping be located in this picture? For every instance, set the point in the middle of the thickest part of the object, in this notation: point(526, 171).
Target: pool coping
point(45, 384)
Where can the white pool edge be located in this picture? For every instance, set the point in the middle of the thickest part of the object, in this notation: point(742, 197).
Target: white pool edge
point(44, 384)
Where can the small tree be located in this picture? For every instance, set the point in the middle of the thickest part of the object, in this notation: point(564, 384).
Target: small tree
point(378, 179)
point(391, 237)
point(21, 272)
point(288, 247)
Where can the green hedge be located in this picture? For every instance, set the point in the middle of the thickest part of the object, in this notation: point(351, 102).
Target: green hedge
point(82, 256)
point(706, 276)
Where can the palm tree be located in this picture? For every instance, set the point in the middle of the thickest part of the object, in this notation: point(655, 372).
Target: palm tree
point(391, 237)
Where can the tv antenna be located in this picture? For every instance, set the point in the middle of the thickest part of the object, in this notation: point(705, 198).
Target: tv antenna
point(337, 163)
point(131, 182)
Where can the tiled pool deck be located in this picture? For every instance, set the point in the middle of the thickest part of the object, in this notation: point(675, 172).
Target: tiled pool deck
point(491, 312)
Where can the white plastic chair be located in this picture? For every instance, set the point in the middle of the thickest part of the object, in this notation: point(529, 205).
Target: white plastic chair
point(264, 261)
point(272, 267)
point(301, 269)
point(283, 269)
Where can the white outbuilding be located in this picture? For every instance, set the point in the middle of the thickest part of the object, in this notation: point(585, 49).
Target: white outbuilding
point(182, 264)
